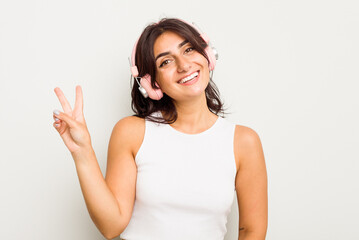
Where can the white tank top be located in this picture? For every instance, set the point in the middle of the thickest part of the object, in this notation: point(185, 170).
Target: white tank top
point(185, 184)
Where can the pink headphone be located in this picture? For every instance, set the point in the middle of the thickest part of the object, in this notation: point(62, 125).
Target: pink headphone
point(145, 82)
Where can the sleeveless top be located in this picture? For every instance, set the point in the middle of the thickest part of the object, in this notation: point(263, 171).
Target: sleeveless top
point(185, 183)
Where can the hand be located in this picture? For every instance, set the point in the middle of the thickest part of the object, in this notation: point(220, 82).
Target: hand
point(71, 124)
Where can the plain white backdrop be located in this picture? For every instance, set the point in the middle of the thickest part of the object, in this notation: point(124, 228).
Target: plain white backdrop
point(287, 69)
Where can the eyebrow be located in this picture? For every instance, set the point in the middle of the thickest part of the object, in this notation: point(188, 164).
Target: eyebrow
point(166, 53)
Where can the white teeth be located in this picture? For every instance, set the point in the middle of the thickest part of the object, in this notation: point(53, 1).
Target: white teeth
point(190, 77)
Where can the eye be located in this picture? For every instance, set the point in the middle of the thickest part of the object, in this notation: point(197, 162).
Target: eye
point(190, 49)
point(165, 62)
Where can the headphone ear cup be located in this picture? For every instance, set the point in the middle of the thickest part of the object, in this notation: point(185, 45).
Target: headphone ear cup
point(155, 94)
point(211, 58)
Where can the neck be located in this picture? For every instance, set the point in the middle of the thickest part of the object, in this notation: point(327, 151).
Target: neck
point(193, 116)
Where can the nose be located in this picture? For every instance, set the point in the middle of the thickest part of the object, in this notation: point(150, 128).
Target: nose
point(183, 65)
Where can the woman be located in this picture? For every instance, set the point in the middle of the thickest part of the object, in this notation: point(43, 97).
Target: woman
point(174, 166)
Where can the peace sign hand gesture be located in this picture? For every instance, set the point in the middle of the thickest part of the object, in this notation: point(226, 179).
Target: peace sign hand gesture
point(71, 124)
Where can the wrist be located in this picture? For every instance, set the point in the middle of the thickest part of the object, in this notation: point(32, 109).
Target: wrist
point(83, 154)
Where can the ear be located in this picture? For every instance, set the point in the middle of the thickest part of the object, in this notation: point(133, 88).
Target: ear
point(155, 94)
point(157, 84)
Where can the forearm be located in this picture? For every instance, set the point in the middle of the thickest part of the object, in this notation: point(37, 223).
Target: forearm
point(100, 201)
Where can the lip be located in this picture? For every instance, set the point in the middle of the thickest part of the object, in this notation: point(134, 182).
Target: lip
point(190, 82)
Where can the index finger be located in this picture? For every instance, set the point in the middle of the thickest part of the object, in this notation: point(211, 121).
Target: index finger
point(64, 103)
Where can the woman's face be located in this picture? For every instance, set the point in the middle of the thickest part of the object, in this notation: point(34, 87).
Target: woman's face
point(181, 72)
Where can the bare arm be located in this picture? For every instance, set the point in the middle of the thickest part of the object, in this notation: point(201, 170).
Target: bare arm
point(110, 201)
point(109, 212)
point(100, 201)
point(251, 185)
point(121, 174)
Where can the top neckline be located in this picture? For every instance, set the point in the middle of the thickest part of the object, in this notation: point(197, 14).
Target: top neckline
point(194, 134)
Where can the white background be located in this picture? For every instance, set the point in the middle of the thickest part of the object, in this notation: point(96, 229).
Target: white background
point(287, 69)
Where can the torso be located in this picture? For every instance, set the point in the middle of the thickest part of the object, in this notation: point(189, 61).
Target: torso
point(140, 132)
point(182, 176)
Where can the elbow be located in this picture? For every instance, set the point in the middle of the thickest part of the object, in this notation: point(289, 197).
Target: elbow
point(108, 237)
point(111, 235)
point(111, 232)
point(111, 229)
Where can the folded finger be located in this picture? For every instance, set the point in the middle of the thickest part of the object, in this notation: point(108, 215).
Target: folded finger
point(65, 117)
point(55, 118)
point(56, 125)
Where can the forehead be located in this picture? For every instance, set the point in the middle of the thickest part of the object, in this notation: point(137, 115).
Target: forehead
point(167, 42)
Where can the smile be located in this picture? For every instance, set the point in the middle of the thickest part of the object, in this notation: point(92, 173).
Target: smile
point(188, 79)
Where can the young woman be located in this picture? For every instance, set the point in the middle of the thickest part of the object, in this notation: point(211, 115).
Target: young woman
point(173, 168)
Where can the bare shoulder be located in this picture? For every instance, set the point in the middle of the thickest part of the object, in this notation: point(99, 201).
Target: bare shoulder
point(129, 132)
point(130, 123)
point(246, 135)
point(246, 144)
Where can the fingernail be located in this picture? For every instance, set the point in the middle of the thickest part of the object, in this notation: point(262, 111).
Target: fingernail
point(56, 119)
point(56, 112)
point(57, 125)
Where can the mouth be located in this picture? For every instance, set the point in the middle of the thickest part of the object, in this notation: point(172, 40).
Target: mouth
point(190, 79)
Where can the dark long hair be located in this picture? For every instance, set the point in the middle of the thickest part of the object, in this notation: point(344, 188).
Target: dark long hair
point(145, 62)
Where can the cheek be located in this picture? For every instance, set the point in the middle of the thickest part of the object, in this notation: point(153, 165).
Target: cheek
point(203, 61)
point(166, 74)
point(161, 77)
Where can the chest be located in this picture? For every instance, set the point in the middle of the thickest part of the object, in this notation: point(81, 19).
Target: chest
point(187, 176)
